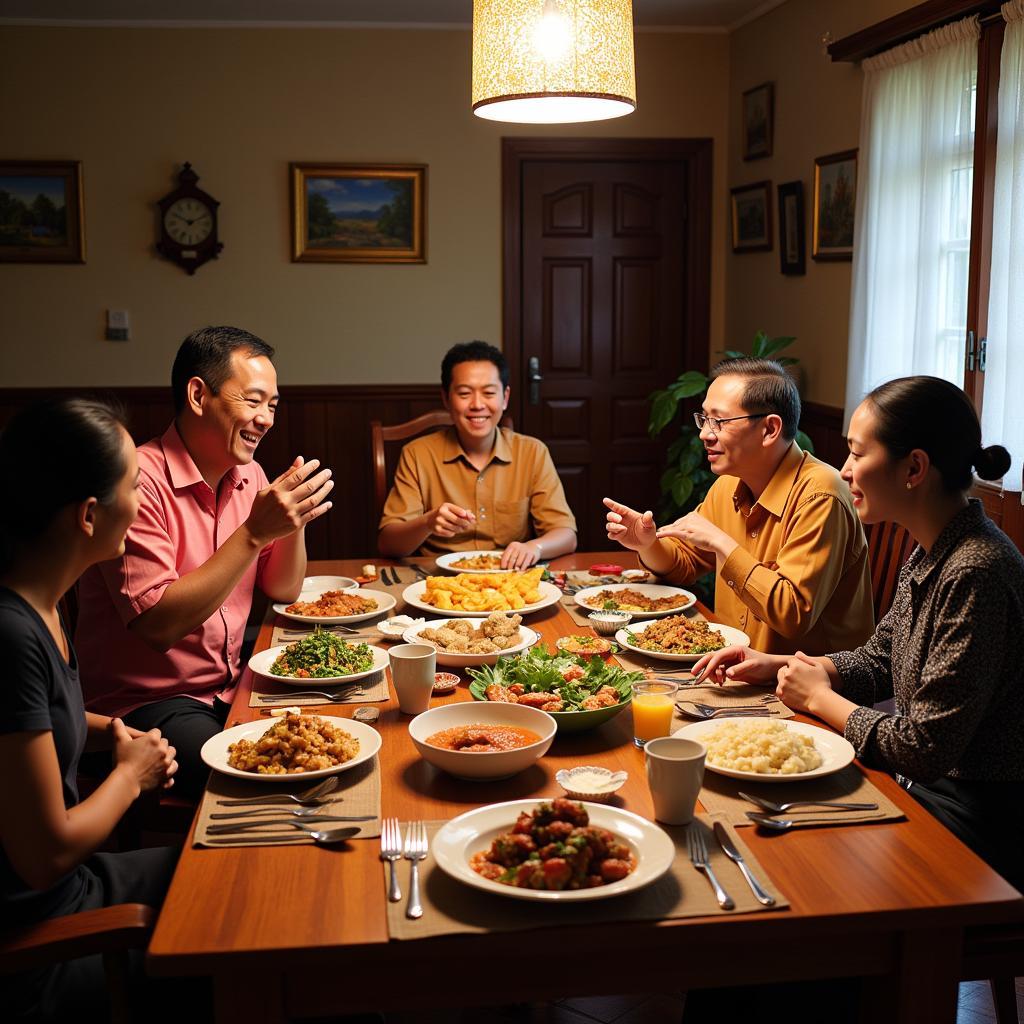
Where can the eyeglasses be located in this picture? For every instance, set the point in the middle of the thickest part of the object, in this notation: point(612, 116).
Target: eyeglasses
point(715, 425)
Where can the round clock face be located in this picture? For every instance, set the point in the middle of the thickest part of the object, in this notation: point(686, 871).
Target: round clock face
point(188, 221)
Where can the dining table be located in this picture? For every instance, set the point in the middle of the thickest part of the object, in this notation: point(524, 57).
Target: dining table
point(301, 930)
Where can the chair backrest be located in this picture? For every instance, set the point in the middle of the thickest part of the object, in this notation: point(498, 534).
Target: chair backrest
point(889, 546)
point(380, 435)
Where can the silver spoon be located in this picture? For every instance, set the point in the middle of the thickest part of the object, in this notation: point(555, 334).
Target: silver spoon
point(772, 824)
point(225, 828)
point(334, 835)
point(296, 812)
point(773, 808)
point(305, 796)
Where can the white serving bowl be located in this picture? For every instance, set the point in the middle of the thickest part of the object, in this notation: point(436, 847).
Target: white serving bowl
point(464, 764)
point(527, 638)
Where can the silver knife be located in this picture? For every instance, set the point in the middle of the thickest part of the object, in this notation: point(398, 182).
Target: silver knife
point(309, 824)
point(729, 849)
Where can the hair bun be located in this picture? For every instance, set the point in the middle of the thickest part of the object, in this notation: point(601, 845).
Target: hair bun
point(992, 462)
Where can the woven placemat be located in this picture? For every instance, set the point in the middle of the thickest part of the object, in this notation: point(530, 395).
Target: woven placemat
point(371, 690)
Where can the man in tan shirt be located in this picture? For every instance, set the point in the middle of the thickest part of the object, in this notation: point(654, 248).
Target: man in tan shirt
point(477, 485)
point(778, 526)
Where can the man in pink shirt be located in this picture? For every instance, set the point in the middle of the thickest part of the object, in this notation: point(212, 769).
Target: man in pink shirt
point(160, 629)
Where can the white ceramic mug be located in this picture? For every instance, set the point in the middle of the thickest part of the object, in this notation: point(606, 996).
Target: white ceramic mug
point(675, 771)
point(412, 671)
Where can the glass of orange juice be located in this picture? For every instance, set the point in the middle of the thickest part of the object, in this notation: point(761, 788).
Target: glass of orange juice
point(653, 703)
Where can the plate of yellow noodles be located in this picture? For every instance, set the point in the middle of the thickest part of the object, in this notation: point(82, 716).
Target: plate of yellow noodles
point(476, 593)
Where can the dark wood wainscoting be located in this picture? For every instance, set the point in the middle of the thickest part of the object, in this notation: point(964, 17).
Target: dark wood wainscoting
point(330, 423)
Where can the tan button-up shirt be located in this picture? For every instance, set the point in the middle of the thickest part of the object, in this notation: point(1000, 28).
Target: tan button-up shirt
point(516, 496)
point(799, 579)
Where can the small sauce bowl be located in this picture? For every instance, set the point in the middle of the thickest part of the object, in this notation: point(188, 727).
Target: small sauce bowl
point(586, 782)
point(445, 682)
point(607, 623)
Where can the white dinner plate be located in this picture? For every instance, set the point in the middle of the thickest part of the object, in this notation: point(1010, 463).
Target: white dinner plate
point(836, 751)
point(413, 595)
point(385, 602)
point(473, 831)
point(729, 634)
point(215, 750)
point(260, 664)
point(444, 562)
point(527, 638)
point(652, 590)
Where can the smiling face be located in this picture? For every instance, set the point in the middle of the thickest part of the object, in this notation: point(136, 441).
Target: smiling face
point(877, 482)
point(476, 401)
point(113, 519)
point(234, 421)
point(737, 449)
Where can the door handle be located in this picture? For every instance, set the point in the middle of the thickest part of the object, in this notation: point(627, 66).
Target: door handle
point(535, 378)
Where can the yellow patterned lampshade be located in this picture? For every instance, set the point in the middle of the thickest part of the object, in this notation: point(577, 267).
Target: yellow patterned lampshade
point(553, 61)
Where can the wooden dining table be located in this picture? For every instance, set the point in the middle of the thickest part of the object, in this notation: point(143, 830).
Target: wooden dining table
point(291, 931)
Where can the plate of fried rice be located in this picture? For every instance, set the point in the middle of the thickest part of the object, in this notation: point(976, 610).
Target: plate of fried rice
point(678, 638)
point(291, 747)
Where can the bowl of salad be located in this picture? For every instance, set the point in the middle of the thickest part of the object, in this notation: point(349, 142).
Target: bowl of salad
point(580, 693)
point(321, 658)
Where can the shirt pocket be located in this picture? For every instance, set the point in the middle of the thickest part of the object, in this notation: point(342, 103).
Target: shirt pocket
point(511, 521)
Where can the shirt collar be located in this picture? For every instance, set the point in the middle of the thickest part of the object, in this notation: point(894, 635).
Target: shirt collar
point(453, 450)
point(775, 495)
point(181, 467)
point(965, 521)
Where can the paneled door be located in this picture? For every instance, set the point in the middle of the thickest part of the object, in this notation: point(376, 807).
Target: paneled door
point(606, 300)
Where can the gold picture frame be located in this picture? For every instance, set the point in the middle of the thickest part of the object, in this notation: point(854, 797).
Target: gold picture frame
point(42, 211)
point(359, 213)
point(835, 196)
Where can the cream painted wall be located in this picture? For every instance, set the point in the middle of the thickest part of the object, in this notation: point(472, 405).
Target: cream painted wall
point(817, 111)
point(132, 104)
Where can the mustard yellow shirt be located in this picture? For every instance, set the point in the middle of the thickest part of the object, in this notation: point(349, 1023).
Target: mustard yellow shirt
point(516, 496)
point(799, 579)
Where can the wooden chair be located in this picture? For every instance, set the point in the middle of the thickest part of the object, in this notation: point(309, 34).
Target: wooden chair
point(889, 546)
point(110, 932)
point(996, 953)
point(380, 435)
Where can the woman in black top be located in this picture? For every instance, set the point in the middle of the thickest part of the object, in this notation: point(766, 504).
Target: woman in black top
point(951, 647)
point(70, 473)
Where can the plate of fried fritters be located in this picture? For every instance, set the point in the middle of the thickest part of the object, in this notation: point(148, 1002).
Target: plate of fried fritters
point(475, 594)
point(464, 642)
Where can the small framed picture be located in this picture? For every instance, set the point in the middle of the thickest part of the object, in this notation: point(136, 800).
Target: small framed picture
point(752, 217)
point(41, 212)
point(835, 195)
point(792, 252)
point(758, 121)
point(350, 213)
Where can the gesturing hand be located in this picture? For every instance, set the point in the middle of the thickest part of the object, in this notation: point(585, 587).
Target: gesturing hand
point(631, 529)
point(291, 501)
point(448, 520)
point(148, 756)
point(740, 664)
point(694, 529)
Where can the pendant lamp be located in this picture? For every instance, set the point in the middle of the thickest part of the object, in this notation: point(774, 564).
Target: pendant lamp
point(553, 61)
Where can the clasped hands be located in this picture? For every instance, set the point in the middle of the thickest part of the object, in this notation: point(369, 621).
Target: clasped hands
point(799, 680)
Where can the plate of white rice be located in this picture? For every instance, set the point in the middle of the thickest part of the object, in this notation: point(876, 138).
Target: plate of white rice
point(770, 751)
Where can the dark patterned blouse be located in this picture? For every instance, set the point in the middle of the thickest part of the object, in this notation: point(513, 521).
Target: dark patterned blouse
point(951, 651)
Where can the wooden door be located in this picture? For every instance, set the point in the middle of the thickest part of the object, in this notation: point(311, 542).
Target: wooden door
point(607, 294)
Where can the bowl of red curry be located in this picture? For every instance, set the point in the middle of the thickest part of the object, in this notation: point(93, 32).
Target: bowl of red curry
point(478, 741)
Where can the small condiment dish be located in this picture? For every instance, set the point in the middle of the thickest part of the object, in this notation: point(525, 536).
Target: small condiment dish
point(607, 623)
point(445, 682)
point(635, 575)
point(394, 627)
point(589, 783)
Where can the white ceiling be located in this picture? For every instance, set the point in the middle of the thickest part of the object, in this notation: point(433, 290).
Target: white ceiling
point(649, 14)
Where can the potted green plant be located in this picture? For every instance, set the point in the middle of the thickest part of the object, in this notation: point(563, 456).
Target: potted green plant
point(687, 478)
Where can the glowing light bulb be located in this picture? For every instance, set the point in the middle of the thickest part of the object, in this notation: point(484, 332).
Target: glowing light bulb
point(553, 37)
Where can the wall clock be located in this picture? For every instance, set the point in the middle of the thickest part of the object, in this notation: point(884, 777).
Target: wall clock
point(188, 223)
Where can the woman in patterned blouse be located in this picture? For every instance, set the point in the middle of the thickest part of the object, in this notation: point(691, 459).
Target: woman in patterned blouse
point(951, 648)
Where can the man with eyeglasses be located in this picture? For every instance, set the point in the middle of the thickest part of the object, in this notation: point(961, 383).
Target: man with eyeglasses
point(160, 629)
point(778, 526)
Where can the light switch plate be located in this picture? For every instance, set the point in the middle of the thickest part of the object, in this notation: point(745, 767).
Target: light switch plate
point(118, 326)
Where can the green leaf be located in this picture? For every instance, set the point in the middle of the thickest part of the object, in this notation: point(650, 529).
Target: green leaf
point(776, 345)
point(731, 353)
point(663, 409)
point(689, 384)
point(668, 479)
point(760, 341)
point(682, 489)
point(787, 361)
point(804, 442)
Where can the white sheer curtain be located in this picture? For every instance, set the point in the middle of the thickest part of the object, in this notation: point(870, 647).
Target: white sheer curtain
point(1002, 416)
point(912, 231)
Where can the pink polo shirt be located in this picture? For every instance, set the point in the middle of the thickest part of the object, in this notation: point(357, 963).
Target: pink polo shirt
point(181, 523)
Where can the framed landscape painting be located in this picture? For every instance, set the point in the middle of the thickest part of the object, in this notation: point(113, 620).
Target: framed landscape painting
point(758, 118)
point(349, 213)
point(835, 194)
point(41, 212)
point(752, 217)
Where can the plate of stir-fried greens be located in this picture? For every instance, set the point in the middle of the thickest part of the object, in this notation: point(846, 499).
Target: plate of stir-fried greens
point(579, 693)
point(323, 657)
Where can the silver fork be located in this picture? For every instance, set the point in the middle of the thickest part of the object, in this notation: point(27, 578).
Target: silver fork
point(391, 851)
point(706, 712)
point(312, 795)
point(330, 698)
point(774, 808)
point(415, 851)
point(697, 848)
